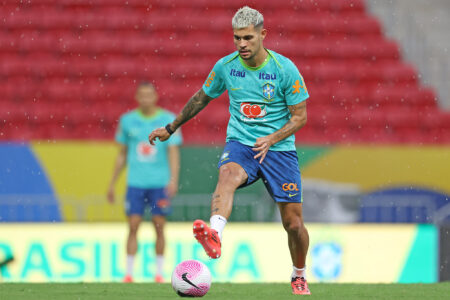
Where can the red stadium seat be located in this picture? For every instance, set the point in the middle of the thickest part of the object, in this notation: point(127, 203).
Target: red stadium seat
point(399, 73)
point(425, 97)
point(75, 66)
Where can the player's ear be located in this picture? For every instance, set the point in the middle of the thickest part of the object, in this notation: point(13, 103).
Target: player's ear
point(263, 33)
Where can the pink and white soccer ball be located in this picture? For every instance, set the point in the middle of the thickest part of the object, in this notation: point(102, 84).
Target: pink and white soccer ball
point(191, 278)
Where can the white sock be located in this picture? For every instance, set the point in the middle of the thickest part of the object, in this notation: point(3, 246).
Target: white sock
point(159, 264)
point(130, 264)
point(218, 224)
point(296, 272)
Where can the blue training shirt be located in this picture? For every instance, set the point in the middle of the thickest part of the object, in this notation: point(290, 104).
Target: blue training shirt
point(259, 97)
point(148, 166)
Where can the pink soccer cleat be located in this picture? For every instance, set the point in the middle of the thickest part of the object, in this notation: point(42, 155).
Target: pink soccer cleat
point(208, 238)
point(300, 286)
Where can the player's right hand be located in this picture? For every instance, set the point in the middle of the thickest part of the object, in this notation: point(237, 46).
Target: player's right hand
point(160, 133)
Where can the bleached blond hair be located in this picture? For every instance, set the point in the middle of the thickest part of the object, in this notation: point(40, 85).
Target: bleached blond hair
point(247, 16)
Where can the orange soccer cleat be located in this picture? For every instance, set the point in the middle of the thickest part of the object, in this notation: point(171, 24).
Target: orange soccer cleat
point(159, 279)
point(127, 279)
point(300, 286)
point(208, 238)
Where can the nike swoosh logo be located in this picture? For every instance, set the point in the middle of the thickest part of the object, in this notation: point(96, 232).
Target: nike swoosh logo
point(214, 238)
point(235, 89)
point(292, 195)
point(185, 279)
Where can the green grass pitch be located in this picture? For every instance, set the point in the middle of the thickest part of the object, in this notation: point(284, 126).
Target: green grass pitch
point(272, 291)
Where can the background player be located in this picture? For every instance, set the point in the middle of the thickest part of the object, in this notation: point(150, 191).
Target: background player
point(152, 172)
point(267, 106)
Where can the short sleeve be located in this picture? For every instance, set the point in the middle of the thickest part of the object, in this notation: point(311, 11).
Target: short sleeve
point(121, 134)
point(214, 85)
point(295, 90)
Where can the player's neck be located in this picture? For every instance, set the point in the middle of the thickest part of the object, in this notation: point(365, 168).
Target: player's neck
point(148, 111)
point(258, 59)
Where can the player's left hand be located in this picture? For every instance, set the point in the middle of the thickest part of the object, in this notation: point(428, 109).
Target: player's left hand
point(262, 146)
point(171, 189)
point(160, 133)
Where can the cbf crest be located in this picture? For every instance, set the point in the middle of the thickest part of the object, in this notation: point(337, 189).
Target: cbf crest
point(268, 91)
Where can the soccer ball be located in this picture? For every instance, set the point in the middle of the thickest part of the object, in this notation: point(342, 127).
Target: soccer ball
point(191, 278)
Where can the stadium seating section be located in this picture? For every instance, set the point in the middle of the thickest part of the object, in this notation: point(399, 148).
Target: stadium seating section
point(69, 68)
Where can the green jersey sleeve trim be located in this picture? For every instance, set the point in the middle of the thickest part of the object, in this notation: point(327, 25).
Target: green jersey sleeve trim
point(255, 68)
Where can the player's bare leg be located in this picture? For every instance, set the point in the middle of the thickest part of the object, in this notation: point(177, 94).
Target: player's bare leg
point(159, 222)
point(231, 176)
point(298, 241)
point(133, 225)
point(298, 238)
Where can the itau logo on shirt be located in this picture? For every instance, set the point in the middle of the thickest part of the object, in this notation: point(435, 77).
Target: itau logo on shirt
point(145, 151)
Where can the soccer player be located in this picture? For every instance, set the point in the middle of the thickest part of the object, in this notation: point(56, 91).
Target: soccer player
point(267, 106)
point(153, 171)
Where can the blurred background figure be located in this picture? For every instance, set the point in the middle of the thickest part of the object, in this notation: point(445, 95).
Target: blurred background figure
point(153, 172)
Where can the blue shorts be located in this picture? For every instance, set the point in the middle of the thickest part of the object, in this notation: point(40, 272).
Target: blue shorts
point(138, 199)
point(279, 170)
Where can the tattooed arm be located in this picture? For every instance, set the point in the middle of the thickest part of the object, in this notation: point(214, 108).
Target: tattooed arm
point(297, 121)
point(193, 107)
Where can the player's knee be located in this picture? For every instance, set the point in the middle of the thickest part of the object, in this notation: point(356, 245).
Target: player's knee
point(159, 229)
point(229, 176)
point(294, 226)
point(133, 229)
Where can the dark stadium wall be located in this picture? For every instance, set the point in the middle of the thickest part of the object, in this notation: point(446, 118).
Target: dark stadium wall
point(444, 252)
